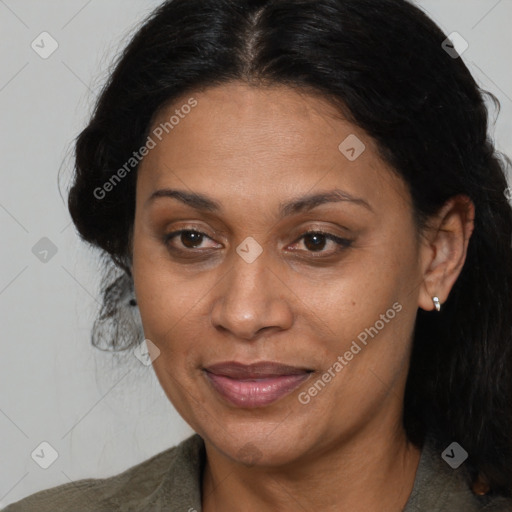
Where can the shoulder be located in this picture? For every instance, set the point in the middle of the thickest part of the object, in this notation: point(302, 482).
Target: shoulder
point(498, 504)
point(446, 487)
point(140, 487)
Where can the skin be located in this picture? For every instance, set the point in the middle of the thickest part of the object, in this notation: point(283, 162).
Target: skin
point(250, 149)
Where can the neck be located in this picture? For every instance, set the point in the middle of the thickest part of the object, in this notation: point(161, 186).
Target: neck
point(371, 472)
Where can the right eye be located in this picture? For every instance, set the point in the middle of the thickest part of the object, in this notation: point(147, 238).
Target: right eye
point(189, 240)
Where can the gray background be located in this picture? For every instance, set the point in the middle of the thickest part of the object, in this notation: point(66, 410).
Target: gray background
point(102, 414)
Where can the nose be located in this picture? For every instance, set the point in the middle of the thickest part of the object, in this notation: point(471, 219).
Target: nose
point(252, 299)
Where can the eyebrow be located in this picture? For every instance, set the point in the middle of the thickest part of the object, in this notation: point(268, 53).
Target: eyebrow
point(297, 205)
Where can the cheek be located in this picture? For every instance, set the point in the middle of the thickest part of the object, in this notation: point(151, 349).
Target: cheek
point(172, 314)
point(368, 308)
point(155, 300)
point(157, 294)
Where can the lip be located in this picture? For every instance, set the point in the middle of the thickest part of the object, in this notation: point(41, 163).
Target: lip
point(255, 385)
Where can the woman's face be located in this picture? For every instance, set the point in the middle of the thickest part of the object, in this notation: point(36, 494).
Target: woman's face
point(255, 287)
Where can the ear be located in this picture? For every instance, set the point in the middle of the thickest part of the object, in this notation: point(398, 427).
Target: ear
point(444, 249)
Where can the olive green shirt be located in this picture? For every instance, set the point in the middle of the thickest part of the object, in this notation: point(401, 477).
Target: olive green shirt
point(171, 482)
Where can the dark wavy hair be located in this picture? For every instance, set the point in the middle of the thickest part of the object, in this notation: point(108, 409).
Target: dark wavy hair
point(382, 64)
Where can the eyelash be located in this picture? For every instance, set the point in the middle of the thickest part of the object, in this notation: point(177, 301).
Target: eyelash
point(342, 243)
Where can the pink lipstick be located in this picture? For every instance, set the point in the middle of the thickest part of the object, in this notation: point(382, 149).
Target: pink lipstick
point(257, 384)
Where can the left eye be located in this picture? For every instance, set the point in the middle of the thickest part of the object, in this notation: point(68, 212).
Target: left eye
point(315, 241)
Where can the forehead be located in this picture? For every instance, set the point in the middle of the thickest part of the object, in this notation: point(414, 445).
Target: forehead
point(238, 120)
point(258, 142)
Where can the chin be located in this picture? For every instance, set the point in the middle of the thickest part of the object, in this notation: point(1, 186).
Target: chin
point(259, 444)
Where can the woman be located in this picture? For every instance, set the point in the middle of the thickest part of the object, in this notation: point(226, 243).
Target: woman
point(305, 199)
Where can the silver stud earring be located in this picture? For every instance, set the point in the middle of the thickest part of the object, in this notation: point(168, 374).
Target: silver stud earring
point(437, 304)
